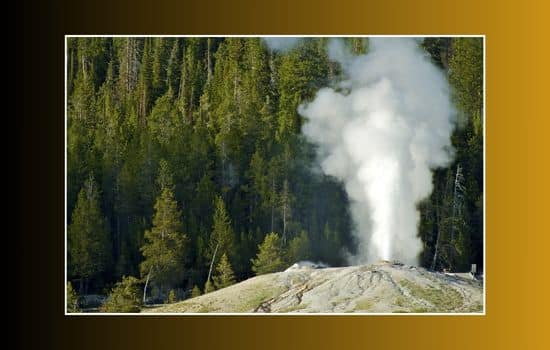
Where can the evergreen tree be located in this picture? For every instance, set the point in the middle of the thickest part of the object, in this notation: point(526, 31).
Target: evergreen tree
point(72, 299)
point(285, 208)
point(466, 73)
point(165, 178)
point(221, 239)
point(299, 248)
point(224, 273)
point(124, 297)
point(144, 84)
point(270, 255)
point(209, 287)
point(127, 52)
point(173, 66)
point(171, 297)
point(164, 123)
point(193, 76)
point(438, 49)
point(161, 55)
point(259, 186)
point(88, 236)
point(196, 291)
point(165, 244)
point(359, 46)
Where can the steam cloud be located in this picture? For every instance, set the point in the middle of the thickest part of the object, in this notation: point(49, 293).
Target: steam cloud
point(381, 132)
point(281, 43)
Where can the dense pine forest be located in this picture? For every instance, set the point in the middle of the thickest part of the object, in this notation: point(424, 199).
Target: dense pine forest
point(187, 170)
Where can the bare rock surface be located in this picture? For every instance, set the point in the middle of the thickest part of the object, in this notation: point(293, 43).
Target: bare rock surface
point(384, 287)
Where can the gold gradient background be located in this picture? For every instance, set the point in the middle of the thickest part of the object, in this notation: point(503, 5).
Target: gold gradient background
point(517, 196)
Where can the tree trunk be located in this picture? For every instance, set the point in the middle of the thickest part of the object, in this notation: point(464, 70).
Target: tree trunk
point(271, 70)
point(272, 205)
point(146, 285)
point(251, 210)
point(286, 207)
point(212, 262)
point(272, 217)
point(128, 72)
point(71, 68)
point(437, 240)
point(181, 90)
point(284, 224)
point(209, 60)
point(457, 199)
point(119, 241)
point(83, 63)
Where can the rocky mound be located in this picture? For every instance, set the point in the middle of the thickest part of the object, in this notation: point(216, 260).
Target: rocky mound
point(307, 288)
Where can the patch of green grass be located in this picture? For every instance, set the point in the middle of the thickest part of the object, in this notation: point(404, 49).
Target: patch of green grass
point(260, 294)
point(182, 306)
point(420, 310)
point(339, 300)
point(442, 298)
point(253, 302)
point(294, 308)
point(413, 310)
point(400, 301)
point(363, 304)
point(248, 299)
point(477, 307)
point(204, 309)
point(296, 280)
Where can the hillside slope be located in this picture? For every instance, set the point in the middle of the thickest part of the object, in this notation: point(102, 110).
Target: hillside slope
point(378, 288)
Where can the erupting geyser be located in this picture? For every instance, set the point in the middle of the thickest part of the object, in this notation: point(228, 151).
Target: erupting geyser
point(381, 132)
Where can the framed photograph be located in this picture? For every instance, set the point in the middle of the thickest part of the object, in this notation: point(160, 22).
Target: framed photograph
point(275, 175)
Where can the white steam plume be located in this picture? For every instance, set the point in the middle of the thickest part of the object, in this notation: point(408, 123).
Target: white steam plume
point(381, 133)
point(281, 44)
